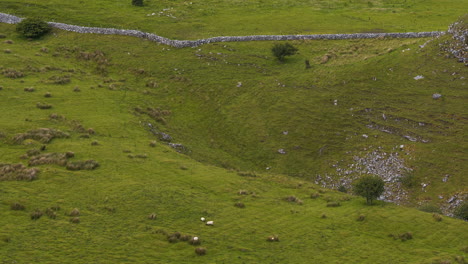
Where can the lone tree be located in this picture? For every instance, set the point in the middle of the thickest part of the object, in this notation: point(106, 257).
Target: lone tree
point(282, 50)
point(370, 187)
point(32, 28)
point(137, 2)
point(462, 211)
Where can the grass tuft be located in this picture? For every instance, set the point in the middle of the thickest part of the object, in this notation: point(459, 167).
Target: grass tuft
point(82, 165)
point(17, 172)
point(36, 214)
point(17, 207)
point(200, 251)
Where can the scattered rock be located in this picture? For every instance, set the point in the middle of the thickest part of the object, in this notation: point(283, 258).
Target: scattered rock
point(436, 96)
point(281, 151)
point(418, 77)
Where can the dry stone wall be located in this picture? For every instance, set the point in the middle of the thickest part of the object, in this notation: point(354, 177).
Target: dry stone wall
point(10, 19)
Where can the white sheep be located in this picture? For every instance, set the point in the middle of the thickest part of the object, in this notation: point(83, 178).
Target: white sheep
point(203, 219)
point(209, 223)
point(195, 238)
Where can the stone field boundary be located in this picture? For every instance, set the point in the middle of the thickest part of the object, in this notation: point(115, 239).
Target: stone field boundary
point(11, 19)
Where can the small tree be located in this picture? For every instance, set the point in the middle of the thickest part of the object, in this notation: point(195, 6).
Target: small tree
point(370, 187)
point(33, 28)
point(137, 2)
point(282, 50)
point(462, 211)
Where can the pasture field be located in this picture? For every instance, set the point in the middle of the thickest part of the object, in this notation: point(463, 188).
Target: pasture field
point(211, 18)
point(232, 107)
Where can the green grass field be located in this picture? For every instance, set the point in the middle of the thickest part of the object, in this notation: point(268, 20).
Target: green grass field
point(202, 19)
point(229, 104)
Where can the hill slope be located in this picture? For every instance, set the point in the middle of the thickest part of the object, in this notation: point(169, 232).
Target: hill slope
point(104, 90)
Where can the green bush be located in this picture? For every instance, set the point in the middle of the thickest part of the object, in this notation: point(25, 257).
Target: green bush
point(462, 211)
point(137, 2)
point(370, 187)
point(32, 28)
point(282, 50)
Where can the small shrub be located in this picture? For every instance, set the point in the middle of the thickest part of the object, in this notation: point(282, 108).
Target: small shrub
point(314, 195)
point(172, 238)
point(323, 216)
point(55, 116)
point(342, 188)
point(91, 131)
point(141, 156)
point(239, 205)
point(361, 218)
point(17, 207)
point(9, 41)
point(17, 172)
point(47, 95)
point(273, 238)
point(408, 180)
point(137, 2)
point(76, 89)
point(29, 89)
point(406, 236)
point(43, 106)
point(75, 220)
point(200, 251)
point(44, 135)
point(32, 28)
point(462, 211)
point(152, 216)
point(7, 51)
point(44, 50)
point(36, 214)
point(94, 143)
point(82, 165)
point(74, 212)
point(429, 208)
point(12, 73)
point(282, 50)
point(437, 217)
point(333, 204)
point(51, 213)
point(59, 79)
point(152, 143)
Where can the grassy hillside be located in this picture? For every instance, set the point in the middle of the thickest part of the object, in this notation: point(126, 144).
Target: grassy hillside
point(229, 105)
point(201, 19)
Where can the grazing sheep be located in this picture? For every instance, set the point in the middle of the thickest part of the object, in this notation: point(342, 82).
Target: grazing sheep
point(209, 223)
point(203, 219)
